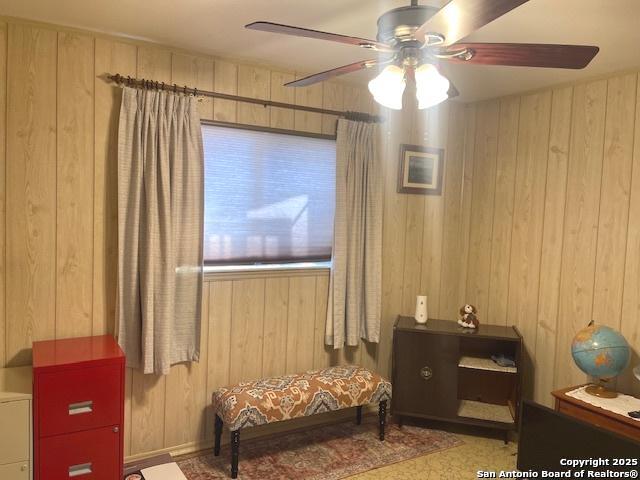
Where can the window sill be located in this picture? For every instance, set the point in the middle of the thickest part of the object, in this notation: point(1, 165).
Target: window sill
point(220, 272)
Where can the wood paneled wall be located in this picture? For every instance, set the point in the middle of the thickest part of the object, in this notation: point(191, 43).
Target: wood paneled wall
point(538, 223)
point(59, 173)
point(58, 202)
point(554, 237)
point(423, 235)
point(252, 326)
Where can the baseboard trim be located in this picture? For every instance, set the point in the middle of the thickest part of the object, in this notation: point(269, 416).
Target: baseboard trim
point(173, 451)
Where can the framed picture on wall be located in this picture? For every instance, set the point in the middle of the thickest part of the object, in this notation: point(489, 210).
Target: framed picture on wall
point(420, 170)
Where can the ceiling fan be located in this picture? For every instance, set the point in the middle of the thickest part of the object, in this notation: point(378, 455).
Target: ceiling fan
point(412, 40)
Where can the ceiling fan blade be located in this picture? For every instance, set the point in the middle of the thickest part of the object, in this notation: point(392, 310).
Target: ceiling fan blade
point(525, 54)
point(322, 76)
point(458, 18)
point(308, 33)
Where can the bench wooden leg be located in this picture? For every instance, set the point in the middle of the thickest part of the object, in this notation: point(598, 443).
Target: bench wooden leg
point(218, 433)
point(382, 414)
point(235, 452)
point(359, 415)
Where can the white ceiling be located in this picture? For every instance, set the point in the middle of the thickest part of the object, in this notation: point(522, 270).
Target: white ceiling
point(216, 27)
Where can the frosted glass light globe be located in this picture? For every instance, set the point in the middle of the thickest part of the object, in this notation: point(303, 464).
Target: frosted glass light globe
point(431, 87)
point(388, 87)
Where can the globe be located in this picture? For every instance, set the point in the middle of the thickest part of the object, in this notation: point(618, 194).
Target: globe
point(600, 351)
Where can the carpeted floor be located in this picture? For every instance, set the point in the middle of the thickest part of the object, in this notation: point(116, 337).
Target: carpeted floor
point(476, 453)
point(328, 453)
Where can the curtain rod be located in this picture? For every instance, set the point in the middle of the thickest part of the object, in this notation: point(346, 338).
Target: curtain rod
point(153, 85)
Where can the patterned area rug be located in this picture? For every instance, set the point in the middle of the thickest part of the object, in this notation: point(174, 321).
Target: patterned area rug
point(328, 453)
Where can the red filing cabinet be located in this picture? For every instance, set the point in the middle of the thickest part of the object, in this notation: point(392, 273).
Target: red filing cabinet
point(78, 409)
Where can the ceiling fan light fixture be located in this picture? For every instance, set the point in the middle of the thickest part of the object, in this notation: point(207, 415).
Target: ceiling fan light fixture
point(388, 87)
point(431, 87)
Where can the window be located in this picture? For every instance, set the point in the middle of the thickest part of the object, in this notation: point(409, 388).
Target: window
point(269, 197)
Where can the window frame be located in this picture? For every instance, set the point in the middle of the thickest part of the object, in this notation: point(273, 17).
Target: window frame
point(260, 128)
point(233, 268)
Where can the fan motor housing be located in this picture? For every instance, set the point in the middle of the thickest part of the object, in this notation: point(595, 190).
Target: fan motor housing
point(396, 27)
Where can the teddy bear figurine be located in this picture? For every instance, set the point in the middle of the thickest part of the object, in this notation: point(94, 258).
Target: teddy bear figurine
point(468, 316)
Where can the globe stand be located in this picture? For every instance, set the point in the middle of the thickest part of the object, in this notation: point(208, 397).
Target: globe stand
point(600, 391)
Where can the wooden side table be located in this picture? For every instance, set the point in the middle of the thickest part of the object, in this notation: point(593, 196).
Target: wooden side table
point(595, 415)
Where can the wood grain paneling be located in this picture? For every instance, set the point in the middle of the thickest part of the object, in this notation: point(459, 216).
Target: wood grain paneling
point(574, 238)
point(413, 253)
point(186, 384)
point(526, 237)
point(3, 166)
point(581, 222)
point(276, 316)
point(452, 240)
point(225, 81)
point(75, 163)
point(110, 56)
point(61, 224)
point(434, 134)
point(471, 114)
point(195, 71)
point(186, 392)
point(552, 239)
point(219, 341)
point(147, 412)
point(31, 190)
point(630, 327)
point(482, 204)
point(254, 82)
point(332, 99)
point(413, 231)
point(503, 210)
point(542, 190)
point(356, 99)
point(282, 117)
point(322, 354)
point(301, 324)
point(394, 132)
point(309, 97)
point(613, 218)
point(573, 229)
point(247, 330)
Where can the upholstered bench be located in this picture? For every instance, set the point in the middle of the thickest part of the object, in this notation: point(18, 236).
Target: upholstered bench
point(269, 400)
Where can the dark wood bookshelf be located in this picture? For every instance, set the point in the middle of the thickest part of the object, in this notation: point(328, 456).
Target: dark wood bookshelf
point(442, 371)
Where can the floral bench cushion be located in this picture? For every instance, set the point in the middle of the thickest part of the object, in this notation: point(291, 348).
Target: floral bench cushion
point(291, 396)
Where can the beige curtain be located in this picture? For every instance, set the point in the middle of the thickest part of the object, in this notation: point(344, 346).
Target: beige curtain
point(353, 310)
point(160, 220)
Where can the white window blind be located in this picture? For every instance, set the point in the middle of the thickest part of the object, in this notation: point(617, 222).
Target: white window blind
point(269, 197)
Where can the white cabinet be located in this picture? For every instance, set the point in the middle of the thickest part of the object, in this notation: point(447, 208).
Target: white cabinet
point(15, 424)
point(15, 471)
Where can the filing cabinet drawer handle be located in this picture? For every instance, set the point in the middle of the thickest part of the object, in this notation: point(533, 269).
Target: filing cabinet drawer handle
point(80, 469)
point(81, 407)
point(426, 373)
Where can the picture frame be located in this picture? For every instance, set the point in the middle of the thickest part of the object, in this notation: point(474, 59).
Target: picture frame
point(420, 170)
